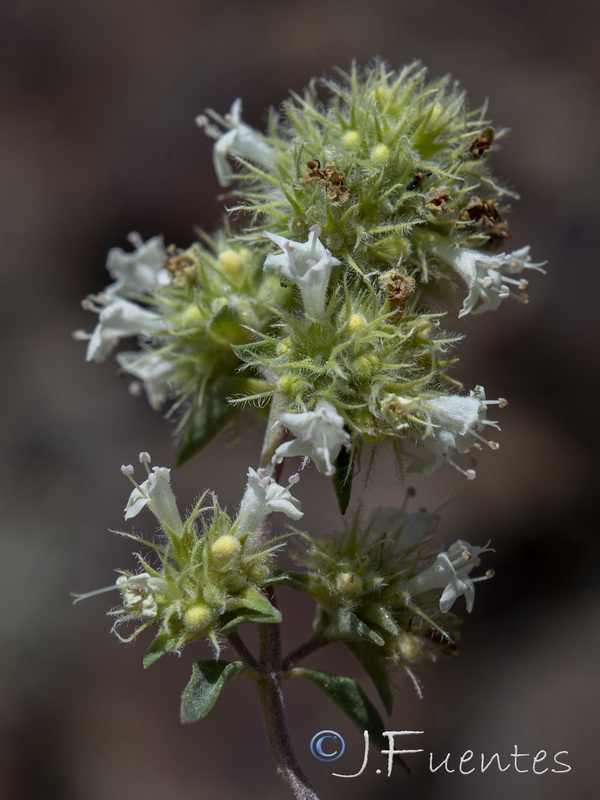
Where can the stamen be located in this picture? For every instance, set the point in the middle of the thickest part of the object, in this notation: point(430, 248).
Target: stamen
point(135, 239)
point(85, 596)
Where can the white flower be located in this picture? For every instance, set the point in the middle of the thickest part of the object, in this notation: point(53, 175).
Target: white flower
point(238, 141)
point(117, 319)
point(455, 423)
point(156, 493)
point(138, 273)
point(450, 572)
point(488, 277)
point(308, 265)
point(320, 436)
point(153, 370)
point(139, 593)
point(263, 496)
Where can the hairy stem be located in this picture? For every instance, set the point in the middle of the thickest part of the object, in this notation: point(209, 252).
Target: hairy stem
point(238, 644)
point(271, 702)
point(275, 433)
point(268, 676)
point(303, 650)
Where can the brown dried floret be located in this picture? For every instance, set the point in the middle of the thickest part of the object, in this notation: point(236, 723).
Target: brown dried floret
point(481, 143)
point(331, 178)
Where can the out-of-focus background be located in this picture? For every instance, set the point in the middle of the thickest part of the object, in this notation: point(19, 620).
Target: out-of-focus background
point(97, 104)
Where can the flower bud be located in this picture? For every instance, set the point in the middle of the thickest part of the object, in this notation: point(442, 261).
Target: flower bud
point(349, 585)
point(197, 618)
point(231, 264)
point(225, 550)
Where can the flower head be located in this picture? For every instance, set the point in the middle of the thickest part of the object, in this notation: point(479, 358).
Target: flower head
point(139, 594)
point(308, 265)
point(263, 496)
point(489, 278)
point(137, 273)
point(156, 493)
point(238, 141)
point(450, 572)
point(455, 423)
point(117, 319)
point(320, 435)
point(153, 370)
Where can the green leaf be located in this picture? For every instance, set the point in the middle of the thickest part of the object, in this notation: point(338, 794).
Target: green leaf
point(256, 601)
point(347, 694)
point(207, 681)
point(162, 644)
point(210, 417)
point(345, 626)
point(374, 663)
point(301, 581)
point(231, 621)
point(342, 479)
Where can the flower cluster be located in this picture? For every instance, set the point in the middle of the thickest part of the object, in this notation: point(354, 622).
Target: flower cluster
point(213, 569)
point(378, 585)
point(363, 220)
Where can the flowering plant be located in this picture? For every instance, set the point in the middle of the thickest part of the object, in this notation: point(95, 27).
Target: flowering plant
point(371, 218)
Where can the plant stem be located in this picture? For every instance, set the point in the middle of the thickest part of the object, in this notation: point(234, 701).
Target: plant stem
point(238, 644)
point(303, 650)
point(269, 671)
point(271, 702)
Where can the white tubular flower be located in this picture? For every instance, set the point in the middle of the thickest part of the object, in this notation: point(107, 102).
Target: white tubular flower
point(489, 278)
point(456, 425)
point(139, 593)
point(308, 265)
point(156, 493)
point(138, 273)
point(320, 436)
point(238, 141)
point(152, 370)
point(118, 319)
point(450, 572)
point(263, 496)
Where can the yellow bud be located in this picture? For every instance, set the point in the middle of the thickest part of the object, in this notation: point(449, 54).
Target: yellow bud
point(231, 263)
point(355, 323)
point(380, 154)
point(258, 572)
point(366, 365)
point(409, 646)
point(191, 316)
point(381, 94)
point(289, 385)
point(224, 550)
point(284, 346)
point(435, 112)
point(197, 618)
point(348, 584)
point(351, 139)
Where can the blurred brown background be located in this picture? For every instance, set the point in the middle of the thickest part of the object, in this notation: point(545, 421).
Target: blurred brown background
point(98, 101)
